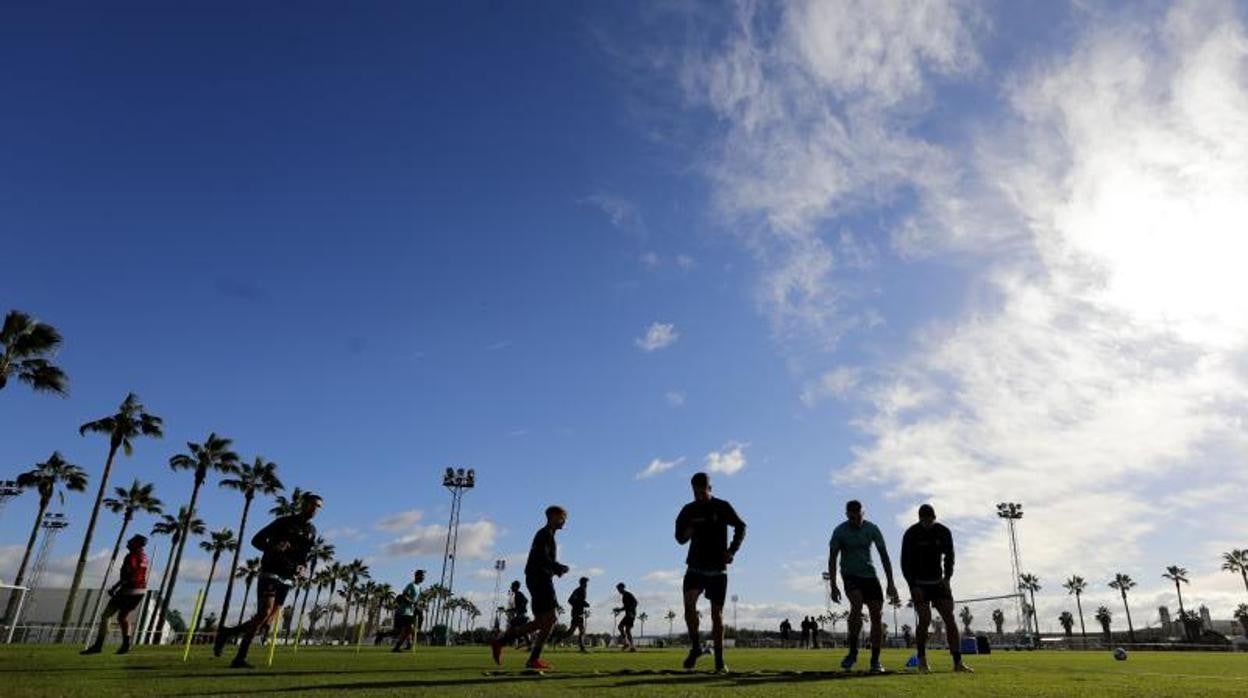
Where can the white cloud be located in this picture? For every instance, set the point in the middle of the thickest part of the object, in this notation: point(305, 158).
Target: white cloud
point(658, 336)
point(659, 465)
point(622, 213)
point(665, 577)
point(401, 521)
point(475, 542)
point(729, 460)
point(675, 398)
point(837, 383)
point(685, 262)
point(650, 260)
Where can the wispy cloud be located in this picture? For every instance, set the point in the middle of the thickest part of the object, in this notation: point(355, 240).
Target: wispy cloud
point(499, 345)
point(659, 465)
point(728, 460)
point(837, 383)
point(401, 521)
point(675, 398)
point(658, 336)
point(475, 541)
point(621, 212)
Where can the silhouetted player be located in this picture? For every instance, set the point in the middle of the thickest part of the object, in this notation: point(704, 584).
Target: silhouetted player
point(852, 541)
point(703, 524)
point(286, 544)
point(405, 612)
point(578, 603)
point(629, 607)
point(124, 596)
point(518, 612)
point(786, 629)
point(927, 567)
point(539, 576)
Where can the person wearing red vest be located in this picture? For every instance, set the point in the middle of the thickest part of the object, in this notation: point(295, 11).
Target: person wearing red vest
point(124, 596)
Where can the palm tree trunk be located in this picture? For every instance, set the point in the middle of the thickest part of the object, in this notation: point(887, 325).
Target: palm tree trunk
point(1179, 589)
point(346, 613)
point(212, 570)
point(177, 558)
point(30, 546)
point(243, 608)
point(86, 543)
point(160, 593)
point(329, 623)
point(1082, 630)
point(308, 590)
point(1130, 628)
point(229, 587)
point(1243, 572)
point(125, 523)
point(315, 600)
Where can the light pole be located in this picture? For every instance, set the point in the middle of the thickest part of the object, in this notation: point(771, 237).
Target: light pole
point(456, 482)
point(8, 489)
point(1011, 512)
point(499, 567)
point(736, 629)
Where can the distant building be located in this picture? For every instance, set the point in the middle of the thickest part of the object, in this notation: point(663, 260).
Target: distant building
point(42, 609)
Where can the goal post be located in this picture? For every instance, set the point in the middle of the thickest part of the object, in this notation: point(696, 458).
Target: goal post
point(17, 613)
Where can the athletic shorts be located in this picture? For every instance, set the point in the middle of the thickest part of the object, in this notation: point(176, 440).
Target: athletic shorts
point(868, 586)
point(404, 622)
point(578, 619)
point(628, 621)
point(931, 592)
point(542, 597)
point(713, 586)
point(267, 585)
point(125, 603)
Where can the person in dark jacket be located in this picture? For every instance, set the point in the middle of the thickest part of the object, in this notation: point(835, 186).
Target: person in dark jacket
point(703, 524)
point(927, 566)
point(629, 608)
point(539, 576)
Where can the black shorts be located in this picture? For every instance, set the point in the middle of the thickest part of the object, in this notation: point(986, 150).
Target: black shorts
point(578, 619)
point(125, 603)
point(931, 592)
point(542, 597)
point(869, 587)
point(713, 586)
point(270, 586)
point(404, 622)
point(628, 621)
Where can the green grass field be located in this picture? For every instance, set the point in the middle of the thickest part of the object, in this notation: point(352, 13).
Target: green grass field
point(59, 671)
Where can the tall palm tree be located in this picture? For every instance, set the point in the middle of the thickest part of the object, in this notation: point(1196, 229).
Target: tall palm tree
point(1031, 584)
point(320, 580)
point(1241, 615)
point(1104, 617)
point(1236, 561)
point(1068, 622)
point(218, 542)
point(173, 526)
point(998, 619)
point(1076, 585)
point(213, 455)
point(337, 573)
point(288, 506)
point(356, 572)
point(260, 477)
point(321, 551)
point(46, 478)
point(122, 428)
point(26, 344)
point(1178, 575)
point(642, 617)
point(248, 572)
point(670, 616)
point(1123, 583)
point(966, 617)
point(136, 498)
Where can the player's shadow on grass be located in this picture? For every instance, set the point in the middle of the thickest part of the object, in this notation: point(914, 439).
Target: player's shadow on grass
point(743, 679)
point(394, 685)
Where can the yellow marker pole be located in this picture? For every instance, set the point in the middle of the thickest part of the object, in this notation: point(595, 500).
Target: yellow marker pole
point(281, 611)
point(190, 631)
point(359, 637)
point(298, 632)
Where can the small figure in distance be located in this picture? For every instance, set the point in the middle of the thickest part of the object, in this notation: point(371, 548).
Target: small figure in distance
point(927, 567)
point(629, 607)
point(124, 596)
point(539, 573)
point(786, 628)
point(851, 541)
point(578, 603)
point(703, 524)
point(405, 612)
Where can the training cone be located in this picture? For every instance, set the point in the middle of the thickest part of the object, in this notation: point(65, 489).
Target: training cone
point(913, 661)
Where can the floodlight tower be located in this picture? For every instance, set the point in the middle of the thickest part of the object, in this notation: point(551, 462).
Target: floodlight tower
point(52, 524)
point(499, 567)
point(8, 490)
point(1011, 512)
point(456, 481)
point(736, 629)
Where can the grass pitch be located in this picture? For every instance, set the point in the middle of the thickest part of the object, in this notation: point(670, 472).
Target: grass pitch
point(59, 671)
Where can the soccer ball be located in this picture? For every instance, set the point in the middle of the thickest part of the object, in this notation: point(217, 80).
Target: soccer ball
point(1120, 654)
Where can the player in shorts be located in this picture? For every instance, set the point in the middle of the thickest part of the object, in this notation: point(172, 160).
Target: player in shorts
point(703, 524)
point(578, 603)
point(927, 567)
point(852, 541)
point(124, 596)
point(286, 544)
point(629, 607)
point(405, 612)
point(539, 576)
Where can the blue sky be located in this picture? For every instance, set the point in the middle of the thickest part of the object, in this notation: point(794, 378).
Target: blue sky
point(372, 240)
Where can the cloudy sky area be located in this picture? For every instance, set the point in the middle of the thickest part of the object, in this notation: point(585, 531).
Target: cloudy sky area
point(946, 251)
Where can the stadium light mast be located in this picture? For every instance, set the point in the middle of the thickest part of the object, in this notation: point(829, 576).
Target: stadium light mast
point(1011, 512)
point(499, 567)
point(8, 490)
point(456, 481)
point(736, 629)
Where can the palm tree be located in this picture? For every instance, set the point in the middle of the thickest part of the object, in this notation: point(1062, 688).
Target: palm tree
point(129, 423)
point(642, 617)
point(1241, 615)
point(46, 478)
point(670, 616)
point(356, 571)
point(27, 343)
point(321, 552)
point(138, 497)
point(1237, 561)
point(218, 542)
point(1076, 585)
point(1124, 583)
point(258, 478)
point(966, 617)
point(1067, 621)
point(248, 572)
point(1178, 575)
point(1031, 583)
point(1103, 616)
point(320, 580)
point(173, 526)
point(212, 455)
point(337, 573)
point(998, 619)
point(285, 506)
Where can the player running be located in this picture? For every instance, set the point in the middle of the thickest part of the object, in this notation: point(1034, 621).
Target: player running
point(703, 524)
point(578, 603)
point(851, 541)
point(286, 544)
point(405, 612)
point(927, 567)
point(539, 573)
point(124, 596)
point(629, 607)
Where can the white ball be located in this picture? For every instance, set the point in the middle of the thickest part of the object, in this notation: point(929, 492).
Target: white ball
point(1120, 654)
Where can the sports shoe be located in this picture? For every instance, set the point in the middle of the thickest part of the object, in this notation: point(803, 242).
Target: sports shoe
point(93, 649)
point(877, 668)
point(538, 665)
point(848, 662)
point(496, 651)
point(692, 658)
point(124, 649)
point(218, 643)
point(721, 668)
point(922, 667)
point(240, 664)
point(962, 668)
